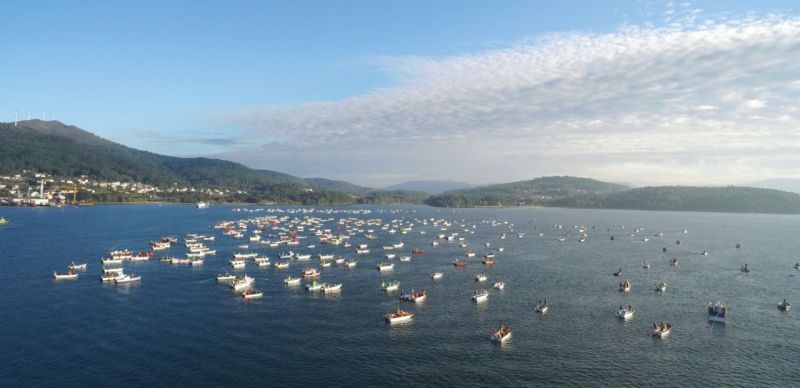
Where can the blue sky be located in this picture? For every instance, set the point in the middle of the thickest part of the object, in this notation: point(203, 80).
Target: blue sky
point(255, 81)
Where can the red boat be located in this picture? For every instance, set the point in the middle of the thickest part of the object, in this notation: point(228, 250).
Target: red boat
point(417, 251)
point(488, 261)
point(460, 263)
point(414, 296)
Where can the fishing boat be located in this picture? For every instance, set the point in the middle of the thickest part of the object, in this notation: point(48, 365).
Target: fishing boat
point(399, 316)
point(797, 266)
point(500, 285)
point(390, 256)
point(252, 294)
point(542, 307)
point(65, 276)
point(417, 251)
point(394, 285)
point(310, 272)
point(241, 283)
point(287, 255)
point(459, 263)
point(645, 265)
point(661, 331)
point(196, 261)
point(743, 268)
point(480, 296)
point(480, 278)
point(127, 279)
point(437, 275)
point(3, 221)
point(502, 334)
point(405, 259)
point(625, 286)
point(625, 313)
point(282, 265)
point(330, 288)
point(339, 260)
point(661, 287)
point(262, 261)
point(785, 305)
point(673, 262)
point(77, 267)
point(618, 272)
point(362, 251)
point(290, 281)
point(225, 277)
point(111, 260)
point(488, 260)
point(202, 205)
point(237, 263)
point(325, 263)
point(384, 266)
point(416, 297)
point(314, 286)
point(717, 312)
point(350, 263)
point(111, 276)
point(470, 254)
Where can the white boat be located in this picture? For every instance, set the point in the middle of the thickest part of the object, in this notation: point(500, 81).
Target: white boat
point(645, 265)
point(325, 263)
point(128, 279)
point(480, 296)
point(282, 265)
point(661, 331)
point(625, 313)
point(399, 316)
point(390, 256)
point(196, 261)
point(470, 254)
point(437, 275)
point(500, 285)
point(241, 283)
point(502, 334)
point(237, 263)
point(542, 307)
point(416, 297)
point(226, 277)
point(262, 261)
point(314, 286)
point(111, 260)
point(661, 287)
point(113, 270)
point(65, 276)
point(303, 257)
point(202, 205)
point(625, 286)
point(391, 286)
point(177, 260)
point(405, 259)
point(331, 288)
point(111, 276)
point(480, 278)
point(77, 267)
point(252, 294)
point(290, 281)
point(385, 266)
point(785, 305)
point(717, 312)
point(351, 263)
point(362, 251)
point(310, 273)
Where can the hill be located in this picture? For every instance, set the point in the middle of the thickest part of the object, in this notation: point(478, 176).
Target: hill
point(784, 184)
point(64, 150)
point(428, 186)
point(687, 198)
point(539, 191)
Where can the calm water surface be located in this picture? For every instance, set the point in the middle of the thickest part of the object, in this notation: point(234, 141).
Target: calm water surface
point(179, 327)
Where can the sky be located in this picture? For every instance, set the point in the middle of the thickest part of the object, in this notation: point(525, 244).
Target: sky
point(377, 93)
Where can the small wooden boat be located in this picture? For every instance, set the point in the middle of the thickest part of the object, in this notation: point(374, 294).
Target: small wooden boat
point(282, 265)
point(542, 307)
point(501, 334)
point(314, 286)
point(480, 296)
point(290, 281)
point(661, 331)
point(77, 267)
point(625, 286)
point(625, 313)
point(383, 266)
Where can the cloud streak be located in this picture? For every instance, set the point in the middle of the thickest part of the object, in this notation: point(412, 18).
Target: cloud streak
point(709, 102)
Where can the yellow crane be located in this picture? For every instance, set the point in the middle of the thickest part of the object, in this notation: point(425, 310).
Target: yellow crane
point(74, 189)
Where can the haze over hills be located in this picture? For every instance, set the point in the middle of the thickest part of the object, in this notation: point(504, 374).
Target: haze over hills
point(785, 184)
point(429, 186)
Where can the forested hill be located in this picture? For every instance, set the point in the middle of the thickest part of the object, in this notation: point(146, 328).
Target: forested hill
point(63, 150)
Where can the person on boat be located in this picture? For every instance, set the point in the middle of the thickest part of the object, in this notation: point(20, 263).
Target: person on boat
point(620, 307)
point(630, 308)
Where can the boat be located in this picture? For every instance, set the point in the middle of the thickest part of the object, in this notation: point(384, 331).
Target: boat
point(3, 221)
point(459, 263)
point(394, 285)
point(196, 261)
point(437, 275)
point(470, 254)
point(252, 294)
point(314, 286)
point(480, 277)
point(416, 297)
point(618, 272)
point(262, 261)
point(111, 276)
point(303, 256)
point(282, 265)
point(480, 296)
point(542, 307)
point(717, 312)
point(287, 255)
point(661, 287)
point(399, 316)
point(625, 313)
point(673, 262)
point(405, 259)
point(743, 268)
point(384, 266)
point(111, 260)
point(625, 286)
point(797, 266)
point(645, 265)
point(330, 288)
point(500, 285)
point(290, 281)
point(127, 279)
point(417, 251)
point(350, 263)
point(785, 305)
point(325, 263)
point(310, 272)
point(77, 267)
point(501, 334)
point(488, 261)
point(202, 205)
point(65, 276)
point(226, 277)
point(241, 283)
point(237, 263)
point(661, 331)
point(389, 256)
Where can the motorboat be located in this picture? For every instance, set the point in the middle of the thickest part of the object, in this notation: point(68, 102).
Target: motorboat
point(350, 263)
point(437, 275)
point(500, 285)
point(330, 288)
point(785, 305)
point(416, 297)
point(459, 263)
point(252, 294)
point(310, 272)
point(65, 276)
point(480, 278)
point(237, 263)
point(399, 316)
point(673, 262)
point(111, 276)
point(470, 254)
point(661, 287)
point(242, 283)
point(390, 256)
point(262, 261)
point(743, 268)
point(661, 330)
point(502, 334)
point(290, 281)
point(127, 279)
point(384, 266)
point(618, 272)
point(77, 267)
point(645, 265)
point(625, 286)
point(717, 312)
point(282, 265)
point(314, 286)
point(480, 296)
point(225, 277)
point(391, 286)
point(542, 307)
point(288, 255)
point(405, 259)
point(625, 313)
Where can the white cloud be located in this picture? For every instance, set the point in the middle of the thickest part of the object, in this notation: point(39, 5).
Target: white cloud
point(638, 105)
